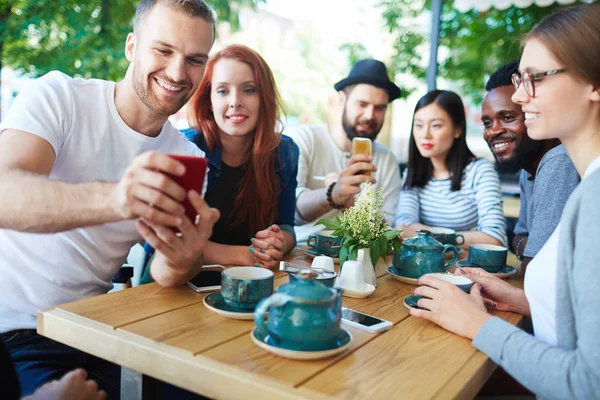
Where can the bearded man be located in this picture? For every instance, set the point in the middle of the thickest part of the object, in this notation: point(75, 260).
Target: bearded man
point(548, 177)
point(329, 176)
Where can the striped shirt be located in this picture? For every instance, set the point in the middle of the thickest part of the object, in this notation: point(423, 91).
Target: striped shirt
point(478, 203)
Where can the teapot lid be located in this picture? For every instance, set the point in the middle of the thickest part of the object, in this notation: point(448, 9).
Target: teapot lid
point(307, 289)
point(423, 239)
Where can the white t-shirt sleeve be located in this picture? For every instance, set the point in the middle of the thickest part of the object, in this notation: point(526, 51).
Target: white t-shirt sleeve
point(44, 109)
point(391, 184)
point(306, 142)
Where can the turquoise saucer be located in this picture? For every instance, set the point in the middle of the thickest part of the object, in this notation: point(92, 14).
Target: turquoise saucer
point(215, 303)
point(505, 272)
point(411, 302)
point(404, 279)
point(264, 340)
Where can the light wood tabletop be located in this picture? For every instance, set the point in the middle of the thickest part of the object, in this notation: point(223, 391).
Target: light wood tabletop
point(168, 334)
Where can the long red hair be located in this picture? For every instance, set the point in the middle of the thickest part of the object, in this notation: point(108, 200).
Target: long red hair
point(258, 198)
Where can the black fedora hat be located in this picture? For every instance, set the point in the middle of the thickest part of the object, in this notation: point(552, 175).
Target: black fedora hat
point(371, 72)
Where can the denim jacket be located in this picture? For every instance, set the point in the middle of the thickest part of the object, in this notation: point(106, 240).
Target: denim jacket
point(286, 168)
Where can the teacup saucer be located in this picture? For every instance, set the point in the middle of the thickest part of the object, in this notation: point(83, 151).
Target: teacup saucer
point(313, 253)
point(263, 340)
point(215, 303)
point(404, 279)
point(358, 294)
point(411, 302)
point(505, 272)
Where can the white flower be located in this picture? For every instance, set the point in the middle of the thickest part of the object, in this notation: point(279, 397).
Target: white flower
point(364, 221)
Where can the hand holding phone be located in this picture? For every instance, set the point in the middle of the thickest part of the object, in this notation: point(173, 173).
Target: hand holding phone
point(362, 145)
point(364, 321)
point(193, 179)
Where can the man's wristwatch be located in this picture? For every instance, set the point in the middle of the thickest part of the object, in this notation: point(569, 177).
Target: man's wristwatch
point(330, 198)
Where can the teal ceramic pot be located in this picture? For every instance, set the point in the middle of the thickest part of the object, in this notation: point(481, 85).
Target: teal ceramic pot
point(490, 257)
point(325, 243)
point(422, 255)
point(304, 315)
point(447, 236)
point(462, 282)
point(243, 287)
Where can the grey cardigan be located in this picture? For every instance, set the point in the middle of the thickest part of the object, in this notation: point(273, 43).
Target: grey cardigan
point(570, 370)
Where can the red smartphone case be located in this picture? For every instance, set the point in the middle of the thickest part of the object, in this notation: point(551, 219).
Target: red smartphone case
point(193, 179)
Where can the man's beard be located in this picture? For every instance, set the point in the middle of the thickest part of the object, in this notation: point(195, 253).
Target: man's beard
point(350, 129)
point(523, 157)
point(141, 86)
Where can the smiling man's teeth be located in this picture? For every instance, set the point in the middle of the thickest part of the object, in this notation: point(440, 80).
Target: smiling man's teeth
point(531, 115)
point(498, 146)
point(168, 87)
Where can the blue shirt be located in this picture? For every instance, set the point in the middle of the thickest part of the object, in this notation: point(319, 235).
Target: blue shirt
point(544, 197)
point(286, 168)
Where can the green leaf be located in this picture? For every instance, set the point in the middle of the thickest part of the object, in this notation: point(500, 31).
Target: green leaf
point(375, 254)
point(353, 255)
point(343, 255)
point(383, 246)
point(392, 234)
point(329, 224)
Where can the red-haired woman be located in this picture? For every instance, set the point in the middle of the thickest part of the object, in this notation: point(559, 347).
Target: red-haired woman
point(252, 177)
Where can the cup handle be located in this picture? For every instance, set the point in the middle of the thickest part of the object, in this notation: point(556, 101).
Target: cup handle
point(454, 258)
point(311, 237)
point(462, 239)
point(275, 300)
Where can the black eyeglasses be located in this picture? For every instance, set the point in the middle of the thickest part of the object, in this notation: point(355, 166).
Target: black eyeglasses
point(527, 79)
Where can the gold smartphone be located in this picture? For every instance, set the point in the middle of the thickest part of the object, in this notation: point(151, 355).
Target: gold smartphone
point(362, 146)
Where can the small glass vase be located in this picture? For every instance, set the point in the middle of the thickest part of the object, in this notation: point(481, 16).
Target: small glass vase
point(364, 257)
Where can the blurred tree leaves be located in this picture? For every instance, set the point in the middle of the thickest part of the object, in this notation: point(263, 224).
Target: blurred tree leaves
point(473, 44)
point(355, 52)
point(78, 37)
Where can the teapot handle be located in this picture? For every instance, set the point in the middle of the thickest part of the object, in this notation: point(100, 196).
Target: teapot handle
point(275, 300)
point(454, 258)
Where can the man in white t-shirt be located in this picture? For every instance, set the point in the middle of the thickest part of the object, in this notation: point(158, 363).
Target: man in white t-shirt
point(328, 175)
point(83, 177)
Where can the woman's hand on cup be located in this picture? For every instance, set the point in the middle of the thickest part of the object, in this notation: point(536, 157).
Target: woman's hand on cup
point(496, 293)
point(448, 306)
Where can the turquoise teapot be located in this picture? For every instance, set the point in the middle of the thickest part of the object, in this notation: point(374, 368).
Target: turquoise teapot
point(422, 255)
point(304, 315)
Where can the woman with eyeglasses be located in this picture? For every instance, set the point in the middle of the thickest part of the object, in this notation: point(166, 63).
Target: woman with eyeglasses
point(559, 90)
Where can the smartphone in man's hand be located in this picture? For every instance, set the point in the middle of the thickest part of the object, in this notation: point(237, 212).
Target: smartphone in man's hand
point(193, 179)
point(362, 145)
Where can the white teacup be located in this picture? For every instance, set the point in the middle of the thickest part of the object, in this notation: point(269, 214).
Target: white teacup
point(352, 276)
point(323, 262)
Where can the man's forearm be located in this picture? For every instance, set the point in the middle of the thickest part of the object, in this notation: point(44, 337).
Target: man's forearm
point(311, 204)
point(34, 203)
point(168, 276)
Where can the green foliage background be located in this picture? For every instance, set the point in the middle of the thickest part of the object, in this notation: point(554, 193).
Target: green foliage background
point(78, 37)
point(477, 42)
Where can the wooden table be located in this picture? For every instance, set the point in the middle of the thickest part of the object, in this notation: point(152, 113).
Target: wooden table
point(168, 334)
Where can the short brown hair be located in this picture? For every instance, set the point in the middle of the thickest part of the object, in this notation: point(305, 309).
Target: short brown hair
point(572, 35)
point(193, 8)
